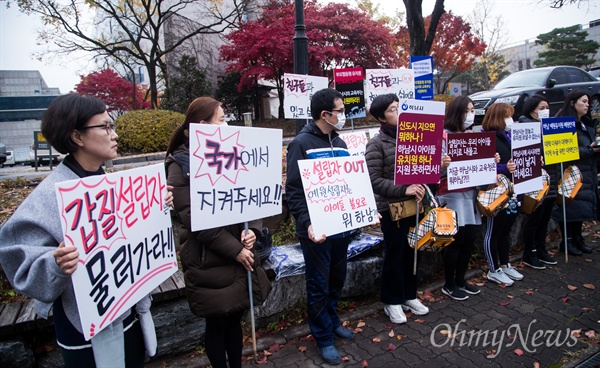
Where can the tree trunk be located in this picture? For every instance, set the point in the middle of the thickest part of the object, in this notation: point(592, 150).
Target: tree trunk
point(419, 44)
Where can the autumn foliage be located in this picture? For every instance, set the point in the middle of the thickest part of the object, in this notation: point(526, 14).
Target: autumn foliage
point(338, 37)
point(454, 49)
point(115, 91)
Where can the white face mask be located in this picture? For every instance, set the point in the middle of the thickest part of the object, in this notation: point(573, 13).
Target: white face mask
point(469, 120)
point(509, 122)
point(543, 114)
point(341, 121)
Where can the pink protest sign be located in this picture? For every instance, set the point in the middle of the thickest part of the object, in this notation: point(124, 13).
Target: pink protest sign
point(526, 143)
point(419, 142)
point(473, 160)
point(124, 237)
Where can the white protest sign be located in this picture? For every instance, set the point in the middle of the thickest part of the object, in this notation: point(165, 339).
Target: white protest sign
point(473, 161)
point(382, 81)
point(338, 194)
point(123, 233)
point(297, 92)
point(356, 142)
point(235, 174)
point(526, 144)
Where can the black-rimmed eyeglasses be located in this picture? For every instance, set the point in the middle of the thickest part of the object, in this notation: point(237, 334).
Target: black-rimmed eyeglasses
point(109, 126)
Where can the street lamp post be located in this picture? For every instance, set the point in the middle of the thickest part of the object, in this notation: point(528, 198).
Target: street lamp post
point(300, 50)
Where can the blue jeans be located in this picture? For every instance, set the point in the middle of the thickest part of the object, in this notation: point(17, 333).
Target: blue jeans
point(325, 276)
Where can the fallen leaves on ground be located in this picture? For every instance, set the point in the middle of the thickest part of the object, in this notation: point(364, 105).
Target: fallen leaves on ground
point(274, 347)
point(391, 346)
point(261, 359)
point(589, 286)
point(376, 340)
point(565, 299)
point(529, 292)
point(571, 287)
point(360, 324)
point(302, 349)
point(504, 304)
point(576, 333)
point(365, 363)
point(518, 351)
point(510, 296)
point(536, 365)
point(420, 320)
point(392, 333)
point(589, 260)
point(591, 334)
point(345, 359)
point(491, 353)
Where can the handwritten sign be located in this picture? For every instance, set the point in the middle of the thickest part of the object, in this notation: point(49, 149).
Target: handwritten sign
point(473, 161)
point(423, 68)
point(235, 174)
point(560, 140)
point(526, 143)
point(338, 194)
point(419, 142)
point(350, 83)
point(356, 142)
point(383, 81)
point(297, 92)
point(124, 237)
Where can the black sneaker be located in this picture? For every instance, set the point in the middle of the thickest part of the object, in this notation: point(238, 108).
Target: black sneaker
point(469, 289)
point(455, 293)
point(546, 258)
point(533, 262)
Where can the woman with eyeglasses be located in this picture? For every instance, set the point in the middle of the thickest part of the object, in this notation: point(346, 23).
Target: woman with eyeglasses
point(33, 253)
point(215, 261)
point(398, 283)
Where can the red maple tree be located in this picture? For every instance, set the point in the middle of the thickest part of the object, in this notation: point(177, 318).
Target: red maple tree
point(338, 37)
point(115, 91)
point(454, 48)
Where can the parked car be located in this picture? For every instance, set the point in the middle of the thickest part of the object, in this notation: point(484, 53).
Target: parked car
point(552, 82)
point(9, 160)
point(2, 153)
point(595, 72)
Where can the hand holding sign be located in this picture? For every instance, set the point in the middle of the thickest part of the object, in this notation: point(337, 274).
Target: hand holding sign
point(66, 258)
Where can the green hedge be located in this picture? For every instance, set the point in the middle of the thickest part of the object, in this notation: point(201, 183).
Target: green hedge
point(146, 130)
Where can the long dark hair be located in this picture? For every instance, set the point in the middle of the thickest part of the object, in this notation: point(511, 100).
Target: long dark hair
point(201, 109)
point(455, 114)
point(568, 108)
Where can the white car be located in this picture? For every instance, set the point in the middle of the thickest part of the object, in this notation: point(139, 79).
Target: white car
point(43, 156)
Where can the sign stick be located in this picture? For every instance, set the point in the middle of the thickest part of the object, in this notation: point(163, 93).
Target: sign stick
point(564, 211)
point(251, 303)
point(416, 241)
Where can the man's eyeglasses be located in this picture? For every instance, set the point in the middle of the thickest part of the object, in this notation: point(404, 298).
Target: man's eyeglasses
point(339, 111)
point(392, 110)
point(109, 126)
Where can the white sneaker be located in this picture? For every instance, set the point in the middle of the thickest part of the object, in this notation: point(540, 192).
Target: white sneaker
point(415, 306)
point(499, 277)
point(395, 313)
point(512, 272)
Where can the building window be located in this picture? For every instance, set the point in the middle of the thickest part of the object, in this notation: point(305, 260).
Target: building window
point(520, 65)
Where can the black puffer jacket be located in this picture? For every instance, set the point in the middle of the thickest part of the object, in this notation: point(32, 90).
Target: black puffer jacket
point(381, 157)
point(584, 206)
point(216, 284)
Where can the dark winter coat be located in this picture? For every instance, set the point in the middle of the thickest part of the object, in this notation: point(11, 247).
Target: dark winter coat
point(310, 143)
point(381, 157)
point(216, 284)
point(584, 206)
